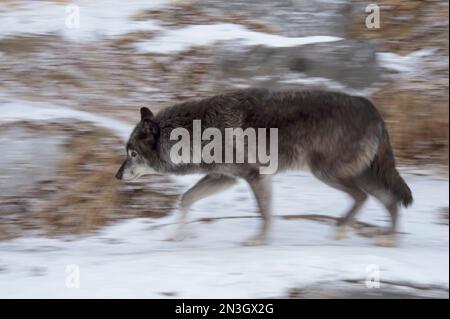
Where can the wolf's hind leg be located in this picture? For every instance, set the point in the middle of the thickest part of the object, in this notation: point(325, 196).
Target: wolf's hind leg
point(386, 238)
point(354, 191)
point(209, 185)
point(389, 238)
point(261, 186)
point(359, 198)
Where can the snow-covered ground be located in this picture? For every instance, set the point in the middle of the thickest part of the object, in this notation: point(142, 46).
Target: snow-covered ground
point(88, 20)
point(77, 20)
point(13, 110)
point(408, 63)
point(132, 258)
point(205, 35)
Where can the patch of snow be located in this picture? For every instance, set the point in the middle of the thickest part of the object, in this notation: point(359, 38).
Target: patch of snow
point(203, 35)
point(97, 18)
point(132, 260)
point(13, 111)
point(406, 64)
point(302, 79)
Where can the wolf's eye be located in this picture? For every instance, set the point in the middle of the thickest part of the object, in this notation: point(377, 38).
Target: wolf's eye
point(133, 154)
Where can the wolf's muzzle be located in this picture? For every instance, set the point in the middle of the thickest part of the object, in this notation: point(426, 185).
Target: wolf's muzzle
point(119, 174)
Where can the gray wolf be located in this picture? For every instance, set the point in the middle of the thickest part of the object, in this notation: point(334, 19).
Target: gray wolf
point(340, 138)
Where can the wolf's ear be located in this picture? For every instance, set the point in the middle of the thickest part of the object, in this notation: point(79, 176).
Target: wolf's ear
point(146, 113)
point(149, 125)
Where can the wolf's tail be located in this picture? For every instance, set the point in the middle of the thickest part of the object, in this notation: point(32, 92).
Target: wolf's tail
point(383, 169)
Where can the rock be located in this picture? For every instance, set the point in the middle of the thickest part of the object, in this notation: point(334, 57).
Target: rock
point(294, 18)
point(444, 215)
point(349, 62)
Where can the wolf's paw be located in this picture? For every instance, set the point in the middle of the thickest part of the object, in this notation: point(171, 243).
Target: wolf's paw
point(340, 233)
point(177, 236)
point(173, 238)
point(387, 240)
point(254, 241)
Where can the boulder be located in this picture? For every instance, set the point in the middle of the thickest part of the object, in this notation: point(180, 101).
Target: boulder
point(351, 63)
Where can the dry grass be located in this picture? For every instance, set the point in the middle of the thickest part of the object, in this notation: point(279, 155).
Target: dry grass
point(25, 44)
point(417, 123)
point(405, 26)
point(415, 109)
point(183, 14)
point(84, 195)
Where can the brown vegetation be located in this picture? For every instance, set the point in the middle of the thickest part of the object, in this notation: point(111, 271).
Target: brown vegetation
point(415, 108)
point(417, 123)
point(183, 14)
point(84, 195)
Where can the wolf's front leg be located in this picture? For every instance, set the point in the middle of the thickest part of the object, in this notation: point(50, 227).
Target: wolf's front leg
point(261, 186)
point(209, 185)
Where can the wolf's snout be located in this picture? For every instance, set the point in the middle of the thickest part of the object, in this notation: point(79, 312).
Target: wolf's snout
point(119, 174)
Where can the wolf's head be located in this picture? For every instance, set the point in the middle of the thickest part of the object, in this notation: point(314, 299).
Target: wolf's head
point(141, 147)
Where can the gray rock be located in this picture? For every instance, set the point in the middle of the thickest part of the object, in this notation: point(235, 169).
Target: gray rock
point(358, 290)
point(351, 63)
point(294, 18)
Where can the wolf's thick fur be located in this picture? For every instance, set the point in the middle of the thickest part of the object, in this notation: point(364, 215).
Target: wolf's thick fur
point(342, 139)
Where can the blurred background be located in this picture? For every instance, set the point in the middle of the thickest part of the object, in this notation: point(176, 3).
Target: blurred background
point(73, 75)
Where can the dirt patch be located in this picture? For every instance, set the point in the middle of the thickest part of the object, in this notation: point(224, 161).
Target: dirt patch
point(184, 14)
point(24, 45)
point(106, 77)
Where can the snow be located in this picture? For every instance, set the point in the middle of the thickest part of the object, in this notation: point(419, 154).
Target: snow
point(406, 64)
point(203, 35)
point(15, 110)
point(97, 18)
point(131, 259)
point(302, 79)
point(107, 18)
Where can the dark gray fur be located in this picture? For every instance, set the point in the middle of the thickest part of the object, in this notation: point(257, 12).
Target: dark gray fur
point(341, 138)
